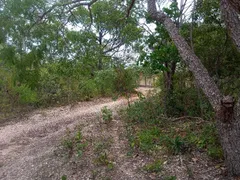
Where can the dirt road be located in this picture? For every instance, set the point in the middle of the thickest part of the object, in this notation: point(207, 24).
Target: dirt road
point(29, 148)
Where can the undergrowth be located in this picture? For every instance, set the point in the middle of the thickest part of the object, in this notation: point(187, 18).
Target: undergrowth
point(107, 115)
point(149, 131)
point(74, 144)
point(102, 154)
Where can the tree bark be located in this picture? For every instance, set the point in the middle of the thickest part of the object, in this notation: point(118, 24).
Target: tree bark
point(228, 125)
point(235, 4)
point(230, 12)
point(229, 134)
point(227, 113)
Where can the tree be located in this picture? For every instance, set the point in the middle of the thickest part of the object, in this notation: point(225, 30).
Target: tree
point(164, 55)
point(227, 112)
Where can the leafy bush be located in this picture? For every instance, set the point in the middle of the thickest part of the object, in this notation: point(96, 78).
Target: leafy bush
point(106, 114)
point(147, 110)
point(118, 80)
point(186, 102)
point(26, 95)
point(126, 79)
point(105, 82)
point(87, 90)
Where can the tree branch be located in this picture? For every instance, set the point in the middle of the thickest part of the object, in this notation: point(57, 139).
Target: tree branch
point(75, 3)
point(113, 48)
point(130, 8)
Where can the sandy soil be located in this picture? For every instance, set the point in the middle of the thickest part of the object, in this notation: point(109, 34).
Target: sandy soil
point(29, 149)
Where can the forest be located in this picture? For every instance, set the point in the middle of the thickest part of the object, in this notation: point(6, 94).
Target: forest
point(70, 95)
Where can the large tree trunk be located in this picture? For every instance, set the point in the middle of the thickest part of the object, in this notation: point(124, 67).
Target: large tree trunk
point(229, 133)
point(230, 11)
point(227, 116)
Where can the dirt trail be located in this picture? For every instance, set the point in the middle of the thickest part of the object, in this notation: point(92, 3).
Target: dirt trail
point(28, 148)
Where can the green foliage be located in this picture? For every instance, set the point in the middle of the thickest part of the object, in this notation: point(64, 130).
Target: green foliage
point(105, 81)
point(25, 94)
point(170, 178)
point(154, 167)
point(147, 139)
point(50, 63)
point(68, 82)
point(185, 99)
point(213, 46)
point(64, 177)
point(74, 144)
point(101, 152)
point(106, 114)
point(126, 79)
point(206, 138)
point(174, 145)
point(151, 133)
point(147, 110)
point(116, 81)
point(103, 160)
point(163, 49)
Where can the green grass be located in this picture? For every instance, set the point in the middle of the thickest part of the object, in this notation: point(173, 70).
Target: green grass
point(154, 167)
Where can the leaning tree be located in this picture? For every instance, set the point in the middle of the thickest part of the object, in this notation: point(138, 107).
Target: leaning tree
point(227, 111)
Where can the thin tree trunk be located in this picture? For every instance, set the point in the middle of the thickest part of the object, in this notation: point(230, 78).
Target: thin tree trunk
point(227, 116)
point(191, 40)
point(100, 61)
point(168, 84)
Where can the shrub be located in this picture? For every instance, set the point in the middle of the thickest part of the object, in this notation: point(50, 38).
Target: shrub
point(146, 110)
point(105, 82)
point(106, 114)
point(126, 79)
point(117, 80)
point(87, 89)
point(26, 95)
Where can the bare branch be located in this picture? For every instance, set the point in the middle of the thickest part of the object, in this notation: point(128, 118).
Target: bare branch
point(130, 8)
point(74, 4)
point(113, 48)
